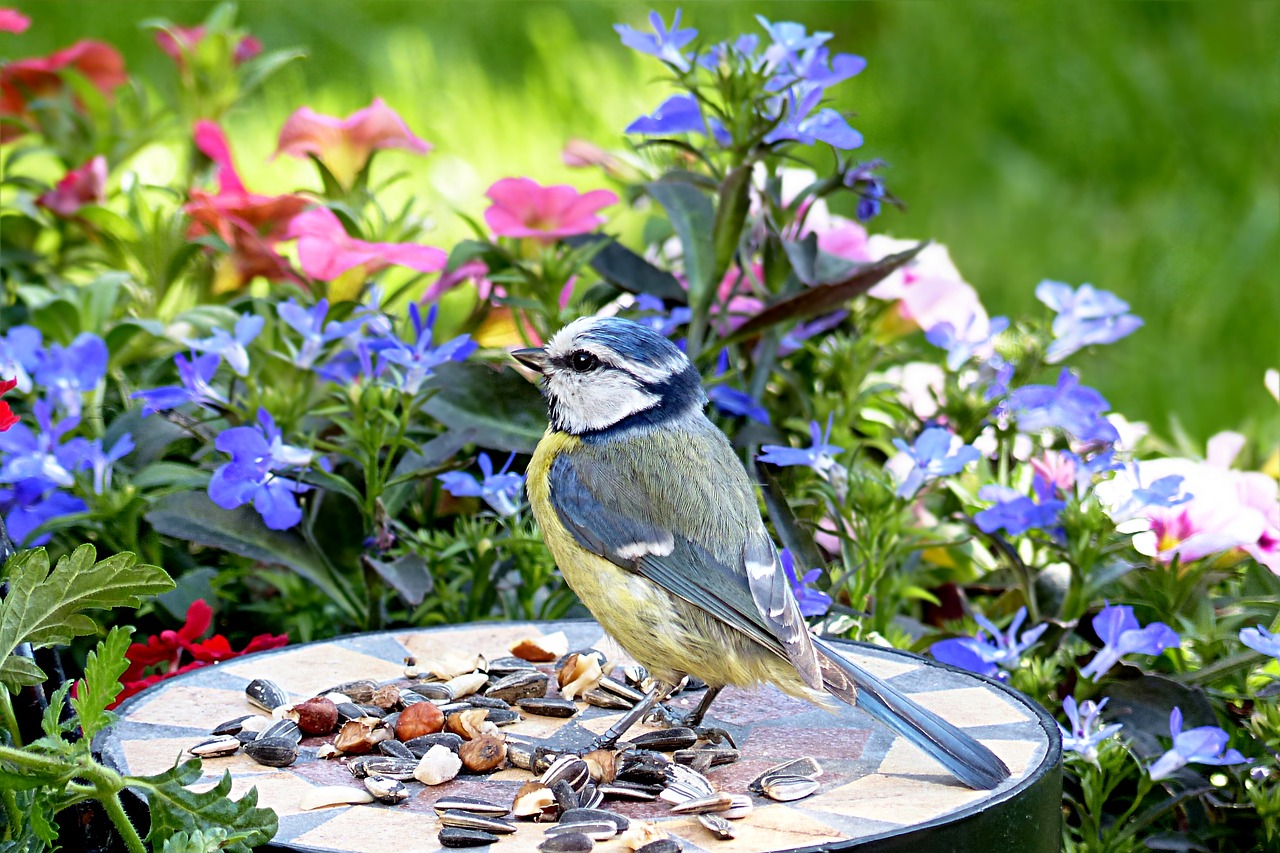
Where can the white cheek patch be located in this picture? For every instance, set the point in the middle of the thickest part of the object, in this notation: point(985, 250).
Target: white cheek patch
point(588, 402)
point(636, 550)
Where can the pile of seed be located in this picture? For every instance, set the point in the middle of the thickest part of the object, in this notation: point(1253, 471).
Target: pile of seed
point(446, 720)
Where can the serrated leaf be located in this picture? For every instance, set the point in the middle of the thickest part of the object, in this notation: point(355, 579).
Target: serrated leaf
point(192, 517)
point(21, 671)
point(175, 808)
point(101, 682)
point(623, 268)
point(692, 216)
point(822, 298)
point(504, 410)
point(51, 722)
point(46, 608)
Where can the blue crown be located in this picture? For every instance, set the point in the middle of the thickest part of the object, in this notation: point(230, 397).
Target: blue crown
point(633, 341)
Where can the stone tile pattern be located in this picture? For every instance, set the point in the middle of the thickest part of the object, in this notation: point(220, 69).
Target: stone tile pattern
point(874, 783)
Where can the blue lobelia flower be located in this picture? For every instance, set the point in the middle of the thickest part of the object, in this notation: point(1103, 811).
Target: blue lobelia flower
point(730, 400)
point(1003, 651)
point(1085, 317)
point(800, 124)
point(963, 344)
point(412, 364)
point(42, 457)
point(259, 457)
point(20, 355)
point(195, 373)
point(666, 44)
point(679, 114)
point(27, 506)
point(654, 314)
point(812, 601)
point(1069, 406)
point(102, 461)
point(1261, 640)
point(820, 456)
point(1014, 512)
point(1201, 745)
point(232, 346)
point(816, 67)
point(68, 373)
point(1085, 733)
point(501, 491)
point(795, 337)
point(936, 453)
point(790, 40)
point(1120, 633)
point(994, 376)
point(315, 332)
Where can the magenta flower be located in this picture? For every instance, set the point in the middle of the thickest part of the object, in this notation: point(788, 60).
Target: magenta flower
point(13, 21)
point(523, 208)
point(344, 146)
point(85, 185)
point(177, 42)
point(326, 251)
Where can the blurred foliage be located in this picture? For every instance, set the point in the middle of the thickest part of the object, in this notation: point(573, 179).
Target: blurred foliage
point(1126, 147)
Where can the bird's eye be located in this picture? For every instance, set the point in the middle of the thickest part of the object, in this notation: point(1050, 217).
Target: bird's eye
point(583, 361)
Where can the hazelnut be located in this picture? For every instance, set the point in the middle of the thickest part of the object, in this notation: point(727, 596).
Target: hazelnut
point(317, 716)
point(420, 718)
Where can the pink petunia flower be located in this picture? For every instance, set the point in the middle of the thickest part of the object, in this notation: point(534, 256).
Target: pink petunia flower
point(523, 208)
point(39, 77)
point(179, 41)
point(85, 185)
point(13, 21)
point(326, 251)
point(345, 145)
point(249, 223)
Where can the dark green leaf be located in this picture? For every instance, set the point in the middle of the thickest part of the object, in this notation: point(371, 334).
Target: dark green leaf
point(331, 482)
point(620, 266)
point(170, 476)
point(428, 460)
point(407, 575)
point(814, 266)
point(503, 409)
point(1143, 703)
point(794, 537)
point(193, 584)
point(101, 683)
point(693, 217)
point(192, 517)
point(822, 298)
point(731, 212)
point(176, 808)
point(467, 250)
point(47, 608)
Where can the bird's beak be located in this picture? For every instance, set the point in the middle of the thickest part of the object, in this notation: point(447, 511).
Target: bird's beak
point(534, 358)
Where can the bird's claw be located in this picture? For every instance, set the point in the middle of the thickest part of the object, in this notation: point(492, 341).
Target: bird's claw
point(669, 718)
point(715, 735)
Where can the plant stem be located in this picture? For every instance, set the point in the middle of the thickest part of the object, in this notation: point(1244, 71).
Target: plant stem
point(32, 761)
point(8, 718)
point(115, 811)
point(11, 810)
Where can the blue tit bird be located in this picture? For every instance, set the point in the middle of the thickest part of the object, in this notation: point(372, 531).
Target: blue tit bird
point(653, 522)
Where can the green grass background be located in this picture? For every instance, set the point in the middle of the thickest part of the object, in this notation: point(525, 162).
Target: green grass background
point(1129, 145)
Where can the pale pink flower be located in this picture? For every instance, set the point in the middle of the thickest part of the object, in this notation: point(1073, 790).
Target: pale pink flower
point(179, 41)
point(345, 145)
point(929, 290)
point(1057, 470)
point(326, 251)
point(85, 185)
point(13, 21)
point(523, 208)
point(844, 238)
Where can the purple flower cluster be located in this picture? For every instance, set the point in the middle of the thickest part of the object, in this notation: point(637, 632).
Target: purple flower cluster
point(992, 657)
point(1015, 513)
point(257, 472)
point(798, 67)
point(936, 453)
point(1084, 317)
point(1069, 406)
point(820, 456)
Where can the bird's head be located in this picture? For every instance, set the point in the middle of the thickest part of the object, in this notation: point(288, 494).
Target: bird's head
point(604, 372)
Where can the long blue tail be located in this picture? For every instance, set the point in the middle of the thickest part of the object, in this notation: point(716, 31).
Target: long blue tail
point(971, 762)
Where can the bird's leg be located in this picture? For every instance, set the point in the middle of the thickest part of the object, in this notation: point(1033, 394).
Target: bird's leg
point(672, 718)
point(610, 736)
point(695, 719)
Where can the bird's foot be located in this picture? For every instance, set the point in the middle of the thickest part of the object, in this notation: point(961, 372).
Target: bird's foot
point(715, 735)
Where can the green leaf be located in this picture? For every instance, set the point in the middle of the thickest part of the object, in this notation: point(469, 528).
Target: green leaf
point(407, 575)
point(505, 411)
point(331, 482)
point(175, 808)
point(101, 683)
point(467, 250)
point(171, 475)
point(623, 268)
point(731, 212)
point(21, 671)
point(51, 721)
point(192, 517)
point(47, 608)
point(693, 217)
point(195, 842)
point(814, 266)
point(823, 298)
point(428, 460)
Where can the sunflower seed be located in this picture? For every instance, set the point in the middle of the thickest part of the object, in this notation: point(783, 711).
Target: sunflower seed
point(661, 845)
point(395, 749)
point(477, 701)
point(600, 698)
point(573, 842)
point(585, 815)
point(784, 788)
point(741, 807)
point(599, 830)
point(273, 751)
point(282, 728)
point(508, 665)
point(617, 688)
point(452, 836)
point(807, 767)
point(475, 805)
point(420, 744)
point(629, 791)
point(215, 746)
point(702, 805)
point(333, 795)
point(569, 768)
point(548, 707)
point(387, 790)
point(525, 684)
point(433, 690)
point(381, 765)
point(471, 820)
point(717, 756)
point(231, 727)
point(685, 783)
point(590, 797)
point(665, 740)
point(360, 692)
point(566, 796)
point(717, 826)
point(349, 711)
point(265, 694)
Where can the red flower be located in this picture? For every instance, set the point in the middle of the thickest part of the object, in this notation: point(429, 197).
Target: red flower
point(40, 77)
point(13, 21)
point(326, 251)
point(249, 223)
point(345, 145)
point(523, 208)
point(179, 41)
point(7, 417)
point(86, 185)
point(165, 651)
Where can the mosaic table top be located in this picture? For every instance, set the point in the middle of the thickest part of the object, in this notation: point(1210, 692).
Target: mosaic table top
point(875, 785)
